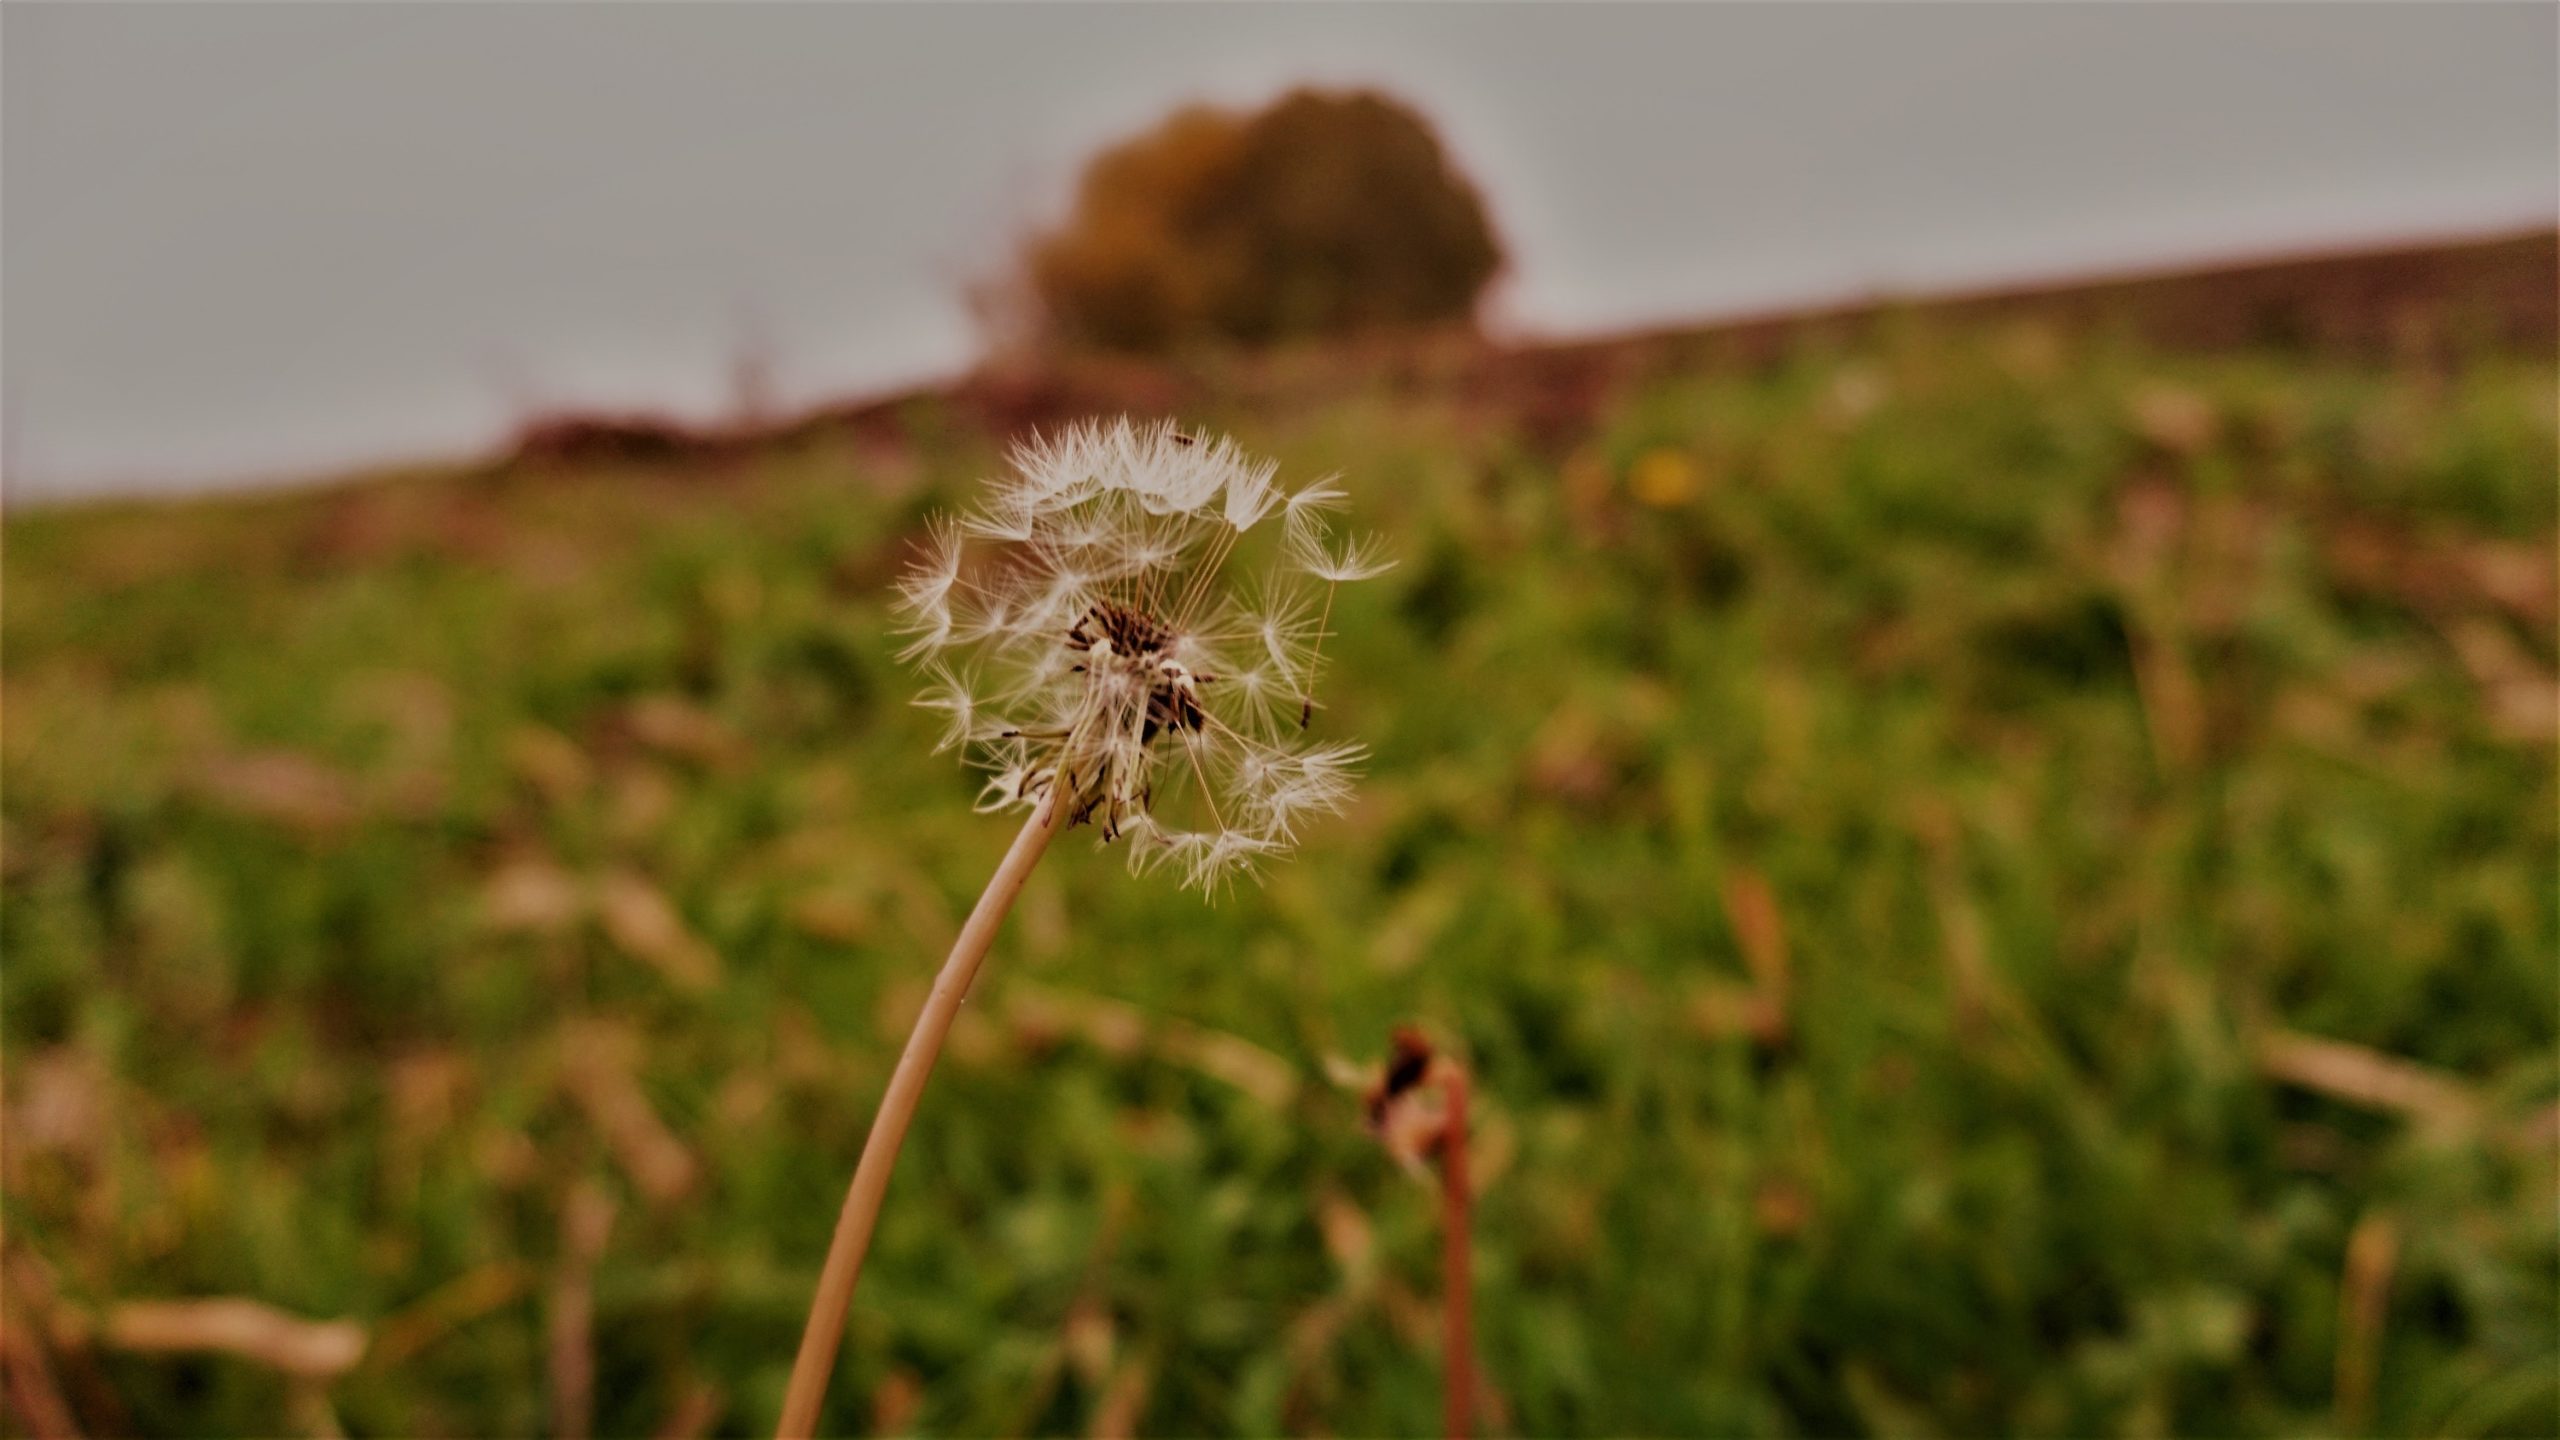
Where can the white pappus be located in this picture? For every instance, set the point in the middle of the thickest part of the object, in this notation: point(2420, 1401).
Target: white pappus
point(1082, 631)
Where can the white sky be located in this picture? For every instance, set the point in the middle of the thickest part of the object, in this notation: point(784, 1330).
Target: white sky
point(250, 240)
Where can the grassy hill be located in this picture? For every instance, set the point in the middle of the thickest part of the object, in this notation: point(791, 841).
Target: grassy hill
point(1995, 869)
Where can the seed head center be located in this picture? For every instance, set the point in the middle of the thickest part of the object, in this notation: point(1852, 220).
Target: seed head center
point(1132, 640)
point(1131, 632)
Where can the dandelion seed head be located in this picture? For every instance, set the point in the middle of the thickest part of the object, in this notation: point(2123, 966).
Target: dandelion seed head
point(1149, 645)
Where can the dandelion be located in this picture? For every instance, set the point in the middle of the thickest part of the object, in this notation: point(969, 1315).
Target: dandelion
point(1118, 668)
point(1086, 641)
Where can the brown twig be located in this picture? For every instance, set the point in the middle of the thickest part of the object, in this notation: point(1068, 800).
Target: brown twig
point(1411, 1133)
point(32, 1314)
point(28, 1376)
point(825, 1332)
point(1457, 1260)
point(2364, 1294)
point(586, 1224)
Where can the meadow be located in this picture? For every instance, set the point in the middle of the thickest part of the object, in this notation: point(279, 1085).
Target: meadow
point(1993, 879)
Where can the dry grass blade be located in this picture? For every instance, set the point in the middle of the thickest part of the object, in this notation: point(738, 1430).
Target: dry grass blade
point(1760, 930)
point(249, 1329)
point(895, 1403)
point(33, 1396)
point(456, 1303)
point(1039, 1013)
point(532, 894)
point(586, 1223)
point(596, 1063)
point(644, 922)
point(677, 727)
point(32, 1314)
point(2364, 1295)
point(282, 786)
point(2369, 1078)
point(697, 1410)
point(1124, 1401)
point(306, 1403)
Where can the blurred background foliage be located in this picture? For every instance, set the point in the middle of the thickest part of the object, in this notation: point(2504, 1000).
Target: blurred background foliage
point(1995, 878)
point(1325, 213)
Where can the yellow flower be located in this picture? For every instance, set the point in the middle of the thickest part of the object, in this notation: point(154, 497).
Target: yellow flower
point(1664, 477)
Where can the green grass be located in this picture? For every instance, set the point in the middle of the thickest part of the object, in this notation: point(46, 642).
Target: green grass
point(2085, 754)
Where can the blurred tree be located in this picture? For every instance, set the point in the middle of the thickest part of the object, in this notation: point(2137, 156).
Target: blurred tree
point(1327, 213)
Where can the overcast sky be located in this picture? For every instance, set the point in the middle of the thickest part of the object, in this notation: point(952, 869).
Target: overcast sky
point(243, 241)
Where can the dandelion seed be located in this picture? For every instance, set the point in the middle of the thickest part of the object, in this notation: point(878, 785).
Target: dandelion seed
point(1359, 558)
point(924, 593)
point(950, 695)
point(1325, 494)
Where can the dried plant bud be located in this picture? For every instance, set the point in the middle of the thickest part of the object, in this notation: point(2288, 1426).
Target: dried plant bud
point(1402, 1111)
point(1408, 1063)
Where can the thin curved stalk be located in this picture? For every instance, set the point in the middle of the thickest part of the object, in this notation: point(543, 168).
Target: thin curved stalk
point(1457, 1263)
point(825, 1333)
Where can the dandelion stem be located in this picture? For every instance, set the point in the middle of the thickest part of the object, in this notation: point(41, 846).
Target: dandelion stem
point(1457, 1262)
point(824, 1336)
